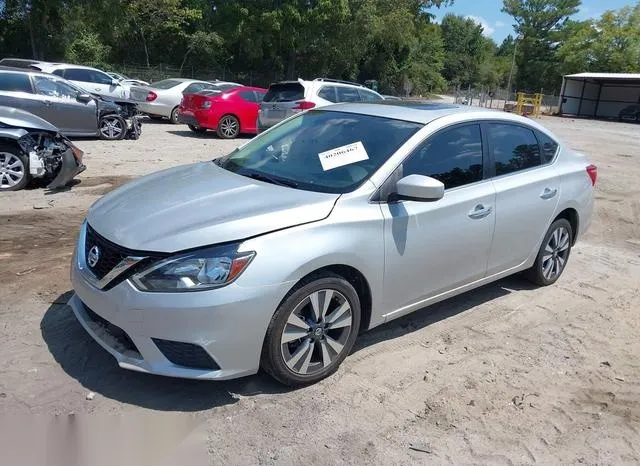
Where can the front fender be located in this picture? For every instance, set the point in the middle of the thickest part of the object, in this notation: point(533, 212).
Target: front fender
point(13, 133)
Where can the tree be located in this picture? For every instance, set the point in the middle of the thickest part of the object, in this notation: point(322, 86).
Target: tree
point(540, 23)
point(609, 44)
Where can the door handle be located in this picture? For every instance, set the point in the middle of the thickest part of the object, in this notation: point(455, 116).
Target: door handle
point(548, 193)
point(480, 211)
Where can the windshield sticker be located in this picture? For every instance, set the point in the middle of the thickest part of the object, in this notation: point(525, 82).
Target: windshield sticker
point(344, 155)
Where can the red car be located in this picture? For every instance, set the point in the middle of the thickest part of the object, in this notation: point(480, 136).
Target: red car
point(228, 113)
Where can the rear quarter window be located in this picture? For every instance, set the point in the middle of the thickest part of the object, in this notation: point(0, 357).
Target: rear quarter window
point(15, 82)
point(284, 92)
point(549, 147)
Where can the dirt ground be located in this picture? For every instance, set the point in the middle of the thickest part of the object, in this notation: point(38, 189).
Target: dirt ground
point(507, 374)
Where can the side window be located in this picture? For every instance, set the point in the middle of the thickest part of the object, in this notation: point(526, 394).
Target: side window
point(260, 95)
point(77, 74)
point(54, 88)
point(15, 82)
point(368, 96)
point(548, 145)
point(100, 78)
point(59, 73)
point(514, 148)
point(247, 96)
point(328, 93)
point(348, 94)
point(453, 156)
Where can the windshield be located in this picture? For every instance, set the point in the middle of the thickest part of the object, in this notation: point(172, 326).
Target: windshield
point(326, 151)
point(166, 84)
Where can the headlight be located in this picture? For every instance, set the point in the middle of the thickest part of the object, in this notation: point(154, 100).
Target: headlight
point(200, 270)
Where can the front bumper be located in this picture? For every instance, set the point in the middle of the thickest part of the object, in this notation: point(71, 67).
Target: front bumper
point(229, 323)
point(71, 167)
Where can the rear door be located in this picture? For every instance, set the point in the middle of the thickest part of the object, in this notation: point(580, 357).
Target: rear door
point(348, 94)
point(94, 81)
point(527, 192)
point(281, 101)
point(62, 108)
point(16, 91)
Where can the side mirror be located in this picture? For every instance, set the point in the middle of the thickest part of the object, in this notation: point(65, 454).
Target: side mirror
point(419, 188)
point(115, 82)
point(84, 98)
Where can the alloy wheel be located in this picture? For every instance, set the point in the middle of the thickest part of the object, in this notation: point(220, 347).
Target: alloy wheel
point(12, 170)
point(229, 127)
point(555, 253)
point(111, 127)
point(316, 332)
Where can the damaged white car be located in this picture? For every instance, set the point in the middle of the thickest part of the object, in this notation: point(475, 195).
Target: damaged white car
point(32, 148)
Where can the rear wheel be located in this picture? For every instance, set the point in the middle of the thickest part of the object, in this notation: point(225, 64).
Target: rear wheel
point(228, 127)
point(174, 116)
point(313, 331)
point(197, 129)
point(112, 127)
point(553, 255)
point(14, 168)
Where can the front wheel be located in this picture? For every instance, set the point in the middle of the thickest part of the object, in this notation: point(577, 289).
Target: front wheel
point(553, 255)
point(14, 168)
point(228, 127)
point(313, 331)
point(112, 127)
point(197, 129)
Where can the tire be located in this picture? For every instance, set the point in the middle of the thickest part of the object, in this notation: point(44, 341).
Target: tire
point(321, 345)
point(14, 168)
point(197, 129)
point(228, 127)
point(173, 118)
point(553, 255)
point(112, 128)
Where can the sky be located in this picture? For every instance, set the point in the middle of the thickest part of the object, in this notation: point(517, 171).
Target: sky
point(498, 25)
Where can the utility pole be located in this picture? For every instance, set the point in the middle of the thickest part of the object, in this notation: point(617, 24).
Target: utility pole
point(513, 64)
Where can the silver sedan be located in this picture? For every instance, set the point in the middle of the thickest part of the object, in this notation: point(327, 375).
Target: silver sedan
point(330, 223)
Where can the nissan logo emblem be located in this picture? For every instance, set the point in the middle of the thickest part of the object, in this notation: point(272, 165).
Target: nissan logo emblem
point(94, 256)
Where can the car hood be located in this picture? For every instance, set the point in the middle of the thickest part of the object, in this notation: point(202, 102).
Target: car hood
point(20, 119)
point(198, 205)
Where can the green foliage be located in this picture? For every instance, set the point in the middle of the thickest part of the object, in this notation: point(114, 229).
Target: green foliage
point(610, 44)
point(395, 42)
point(87, 48)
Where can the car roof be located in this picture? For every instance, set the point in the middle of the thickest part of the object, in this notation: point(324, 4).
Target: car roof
point(418, 112)
point(29, 71)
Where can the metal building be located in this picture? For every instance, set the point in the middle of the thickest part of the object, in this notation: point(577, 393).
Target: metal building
point(599, 95)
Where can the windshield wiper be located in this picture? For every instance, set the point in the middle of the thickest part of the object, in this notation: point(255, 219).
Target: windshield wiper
point(271, 179)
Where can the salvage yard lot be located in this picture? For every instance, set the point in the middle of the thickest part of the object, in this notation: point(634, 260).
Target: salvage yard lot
point(507, 373)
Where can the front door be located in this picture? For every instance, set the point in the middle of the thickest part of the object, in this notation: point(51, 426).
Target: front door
point(527, 193)
point(61, 107)
point(434, 247)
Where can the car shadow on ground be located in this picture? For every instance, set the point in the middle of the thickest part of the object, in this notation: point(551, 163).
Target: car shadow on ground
point(210, 134)
point(84, 360)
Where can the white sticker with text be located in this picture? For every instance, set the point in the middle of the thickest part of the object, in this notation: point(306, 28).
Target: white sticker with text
point(344, 155)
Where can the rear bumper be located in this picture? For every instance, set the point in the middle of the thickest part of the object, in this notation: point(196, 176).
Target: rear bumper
point(188, 119)
point(155, 109)
point(203, 118)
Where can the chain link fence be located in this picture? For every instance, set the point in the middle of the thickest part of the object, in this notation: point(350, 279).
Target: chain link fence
point(499, 99)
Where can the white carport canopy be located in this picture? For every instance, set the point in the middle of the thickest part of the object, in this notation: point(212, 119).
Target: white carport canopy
point(599, 95)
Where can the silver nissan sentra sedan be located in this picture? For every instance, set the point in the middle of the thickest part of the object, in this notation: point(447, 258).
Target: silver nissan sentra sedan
point(333, 222)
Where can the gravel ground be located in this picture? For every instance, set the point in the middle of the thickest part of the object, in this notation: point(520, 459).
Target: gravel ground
point(505, 374)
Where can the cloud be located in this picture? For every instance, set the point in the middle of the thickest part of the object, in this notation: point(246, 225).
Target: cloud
point(487, 30)
point(500, 24)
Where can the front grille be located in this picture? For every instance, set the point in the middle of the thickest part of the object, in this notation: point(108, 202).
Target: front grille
point(120, 336)
point(110, 254)
point(186, 354)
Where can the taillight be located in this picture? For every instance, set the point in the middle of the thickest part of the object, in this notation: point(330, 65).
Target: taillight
point(592, 171)
point(206, 104)
point(151, 96)
point(304, 105)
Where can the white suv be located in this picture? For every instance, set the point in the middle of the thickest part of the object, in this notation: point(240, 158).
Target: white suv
point(287, 98)
point(90, 79)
